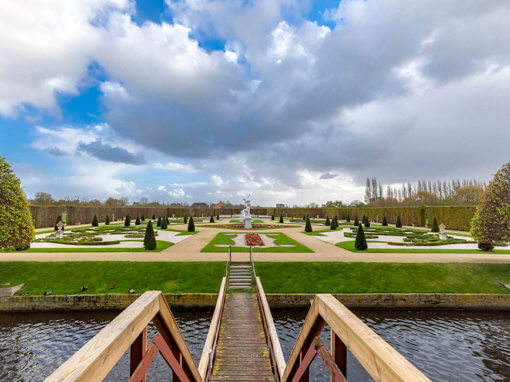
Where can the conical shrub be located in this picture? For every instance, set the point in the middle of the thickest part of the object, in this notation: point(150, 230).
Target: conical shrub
point(281, 218)
point(153, 217)
point(356, 221)
point(348, 218)
point(137, 221)
point(95, 223)
point(107, 220)
point(435, 226)
point(361, 242)
point(334, 224)
point(398, 224)
point(308, 225)
point(127, 221)
point(211, 220)
point(149, 240)
point(158, 223)
point(384, 221)
point(367, 222)
point(185, 219)
point(272, 217)
point(164, 224)
point(191, 225)
point(143, 218)
point(327, 221)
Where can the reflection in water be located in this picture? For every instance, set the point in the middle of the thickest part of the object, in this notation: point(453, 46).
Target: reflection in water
point(445, 346)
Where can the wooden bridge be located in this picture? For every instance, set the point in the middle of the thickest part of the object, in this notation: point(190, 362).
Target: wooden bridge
point(241, 345)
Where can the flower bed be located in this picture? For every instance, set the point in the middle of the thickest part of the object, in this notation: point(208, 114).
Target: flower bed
point(254, 239)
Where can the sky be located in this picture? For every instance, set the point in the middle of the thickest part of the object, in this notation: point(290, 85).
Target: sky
point(290, 101)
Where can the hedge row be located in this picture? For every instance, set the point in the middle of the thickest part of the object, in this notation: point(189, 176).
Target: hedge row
point(454, 217)
point(46, 216)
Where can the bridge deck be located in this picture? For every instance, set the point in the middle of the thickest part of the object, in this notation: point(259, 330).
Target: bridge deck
point(242, 353)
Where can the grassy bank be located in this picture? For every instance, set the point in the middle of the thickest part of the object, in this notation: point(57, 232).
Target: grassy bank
point(69, 277)
point(349, 245)
point(323, 277)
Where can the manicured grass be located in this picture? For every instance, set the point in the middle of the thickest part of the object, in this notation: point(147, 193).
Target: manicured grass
point(182, 232)
point(329, 277)
point(280, 239)
point(160, 245)
point(349, 245)
point(69, 277)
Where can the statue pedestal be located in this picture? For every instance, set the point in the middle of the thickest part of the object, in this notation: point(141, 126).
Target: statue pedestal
point(247, 222)
point(443, 236)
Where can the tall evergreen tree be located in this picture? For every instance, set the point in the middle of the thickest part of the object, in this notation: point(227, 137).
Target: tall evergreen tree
point(149, 241)
point(158, 223)
point(107, 220)
point(191, 225)
point(281, 218)
point(334, 224)
point(211, 220)
point(308, 225)
point(127, 221)
point(164, 224)
point(356, 221)
point(398, 224)
point(95, 223)
point(384, 221)
point(327, 221)
point(361, 242)
point(185, 219)
point(435, 226)
point(367, 222)
point(16, 225)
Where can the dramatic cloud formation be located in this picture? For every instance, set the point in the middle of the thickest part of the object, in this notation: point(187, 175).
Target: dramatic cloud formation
point(291, 109)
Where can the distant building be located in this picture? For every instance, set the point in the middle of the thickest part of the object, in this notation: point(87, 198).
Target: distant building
point(219, 205)
point(280, 205)
point(200, 205)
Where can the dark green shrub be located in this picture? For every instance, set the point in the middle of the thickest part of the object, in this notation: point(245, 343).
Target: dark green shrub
point(211, 220)
point(158, 223)
point(153, 217)
point(137, 221)
point(398, 224)
point(361, 242)
point(149, 240)
point(327, 221)
point(16, 226)
point(127, 221)
point(435, 226)
point(218, 218)
point(272, 217)
point(185, 219)
point(356, 221)
point(191, 225)
point(367, 222)
point(486, 247)
point(143, 218)
point(334, 224)
point(95, 223)
point(384, 221)
point(107, 220)
point(308, 225)
point(281, 218)
point(304, 218)
point(348, 218)
point(164, 224)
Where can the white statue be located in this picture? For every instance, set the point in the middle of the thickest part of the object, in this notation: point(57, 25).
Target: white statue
point(442, 232)
point(245, 213)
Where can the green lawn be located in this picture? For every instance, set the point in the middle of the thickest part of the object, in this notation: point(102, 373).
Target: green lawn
point(323, 277)
point(69, 277)
point(181, 231)
point(280, 239)
point(349, 245)
point(160, 245)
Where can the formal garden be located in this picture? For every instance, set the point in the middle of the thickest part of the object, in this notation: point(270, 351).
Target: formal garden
point(259, 242)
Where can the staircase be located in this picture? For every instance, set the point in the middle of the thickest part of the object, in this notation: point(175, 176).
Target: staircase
point(240, 276)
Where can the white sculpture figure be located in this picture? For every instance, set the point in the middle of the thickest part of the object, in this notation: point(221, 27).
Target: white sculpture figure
point(442, 233)
point(245, 213)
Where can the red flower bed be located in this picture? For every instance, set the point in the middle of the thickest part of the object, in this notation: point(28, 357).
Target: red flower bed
point(254, 239)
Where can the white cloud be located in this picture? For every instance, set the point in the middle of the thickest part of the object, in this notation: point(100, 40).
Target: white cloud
point(176, 167)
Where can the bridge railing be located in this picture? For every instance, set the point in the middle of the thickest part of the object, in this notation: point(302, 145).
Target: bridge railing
point(379, 359)
point(97, 357)
point(207, 359)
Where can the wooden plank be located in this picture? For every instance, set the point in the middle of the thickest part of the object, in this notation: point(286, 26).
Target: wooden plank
point(164, 322)
point(378, 358)
point(273, 334)
point(97, 357)
point(242, 352)
point(137, 353)
point(211, 335)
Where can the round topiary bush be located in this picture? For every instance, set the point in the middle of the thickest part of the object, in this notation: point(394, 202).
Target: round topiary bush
point(16, 226)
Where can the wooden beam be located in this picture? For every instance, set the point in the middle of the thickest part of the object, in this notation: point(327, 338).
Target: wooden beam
point(211, 335)
point(273, 334)
point(97, 357)
point(339, 353)
point(137, 353)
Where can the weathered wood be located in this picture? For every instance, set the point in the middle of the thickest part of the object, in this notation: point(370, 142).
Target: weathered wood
point(273, 334)
point(378, 358)
point(242, 353)
point(213, 328)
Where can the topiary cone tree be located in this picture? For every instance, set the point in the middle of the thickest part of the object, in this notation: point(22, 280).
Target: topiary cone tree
point(384, 221)
point(361, 242)
point(16, 226)
point(191, 225)
point(164, 224)
point(107, 220)
point(490, 225)
point(211, 220)
point(398, 224)
point(272, 217)
point(327, 221)
point(435, 226)
point(185, 219)
point(153, 217)
point(334, 224)
point(367, 222)
point(356, 221)
point(95, 223)
point(149, 240)
point(308, 225)
point(281, 218)
point(127, 221)
point(348, 218)
point(143, 218)
point(137, 221)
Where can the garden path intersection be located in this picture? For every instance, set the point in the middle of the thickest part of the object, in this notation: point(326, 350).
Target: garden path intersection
point(190, 250)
